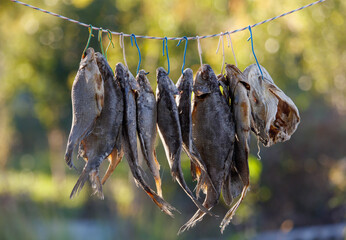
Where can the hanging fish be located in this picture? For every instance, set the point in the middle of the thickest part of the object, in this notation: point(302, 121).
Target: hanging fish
point(237, 182)
point(183, 100)
point(274, 115)
point(99, 144)
point(146, 126)
point(169, 129)
point(129, 86)
point(87, 101)
point(213, 135)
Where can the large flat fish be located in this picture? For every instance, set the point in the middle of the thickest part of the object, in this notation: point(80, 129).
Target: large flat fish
point(129, 138)
point(87, 101)
point(183, 100)
point(146, 126)
point(237, 182)
point(170, 130)
point(99, 144)
point(274, 115)
point(213, 134)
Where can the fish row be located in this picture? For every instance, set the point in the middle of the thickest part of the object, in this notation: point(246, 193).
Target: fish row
point(110, 110)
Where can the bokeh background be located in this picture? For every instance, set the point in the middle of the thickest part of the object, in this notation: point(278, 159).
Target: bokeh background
point(296, 185)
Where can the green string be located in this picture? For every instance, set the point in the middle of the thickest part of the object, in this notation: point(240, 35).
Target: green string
point(90, 29)
point(100, 41)
point(110, 37)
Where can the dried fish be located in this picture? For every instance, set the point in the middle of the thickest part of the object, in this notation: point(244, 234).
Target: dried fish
point(274, 115)
point(183, 100)
point(87, 102)
point(99, 144)
point(146, 126)
point(169, 129)
point(129, 86)
point(213, 134)
point(238, 179)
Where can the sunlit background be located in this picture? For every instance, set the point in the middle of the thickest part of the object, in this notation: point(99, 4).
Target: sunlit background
point(295, 186)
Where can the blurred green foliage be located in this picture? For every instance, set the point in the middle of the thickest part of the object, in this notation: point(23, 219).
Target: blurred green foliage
point(302, 180)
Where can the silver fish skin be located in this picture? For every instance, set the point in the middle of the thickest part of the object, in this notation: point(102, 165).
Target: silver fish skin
point(183, 101)
point(129, 138)
point(237, 181)
point(146, 126)
point(87, 101)
point(99, 144)
point(213, 134)
point(170, 130)
point(274, 115)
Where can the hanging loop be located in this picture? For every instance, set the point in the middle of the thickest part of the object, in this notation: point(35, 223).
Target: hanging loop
point(100, 40)
point(230, 43)
point(164, 43)
point(90, 29)
point(223, 51)
point(253, 51)
point(122, 46)
point(184, 38)
point(110, 37)
point(139, 52)
point(199, 50)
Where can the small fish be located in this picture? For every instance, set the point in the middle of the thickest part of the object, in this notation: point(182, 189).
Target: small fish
point(129, 87)
point(146, 126)
point(274, 115)
point(99, 144)
point(237, 182)
point(213, 135)
point(170, 130)
point(87, 101)
point(183, 100)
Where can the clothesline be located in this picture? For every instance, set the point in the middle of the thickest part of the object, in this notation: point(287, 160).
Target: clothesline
point(168, 38)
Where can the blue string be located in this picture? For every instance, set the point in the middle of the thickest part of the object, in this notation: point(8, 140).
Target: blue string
point(163, 52)
point(139, 52)
point(185, 38)
point(253, 50)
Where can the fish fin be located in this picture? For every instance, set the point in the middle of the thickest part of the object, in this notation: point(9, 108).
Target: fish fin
point(114, 159)
point(229, 215)
point(157, 178)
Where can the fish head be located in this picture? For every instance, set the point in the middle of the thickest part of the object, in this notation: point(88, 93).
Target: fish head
point(185, 81)
point(88, 57)
point(205, 81)
point(164, 83)
point(103, 65)
point(274, 115)
point(132, 82)
point(143, 81)
point(235, 76)
point(121, 74)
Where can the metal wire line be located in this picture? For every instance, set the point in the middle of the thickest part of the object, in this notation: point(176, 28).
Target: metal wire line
point(168, 38)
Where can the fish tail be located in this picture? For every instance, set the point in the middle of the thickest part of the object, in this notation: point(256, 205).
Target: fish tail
point(178, 175)
point(210, 201)
point(198, 216)
point(96, 183)
point(80, 183)
point(160, 202)
point(229, 215)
